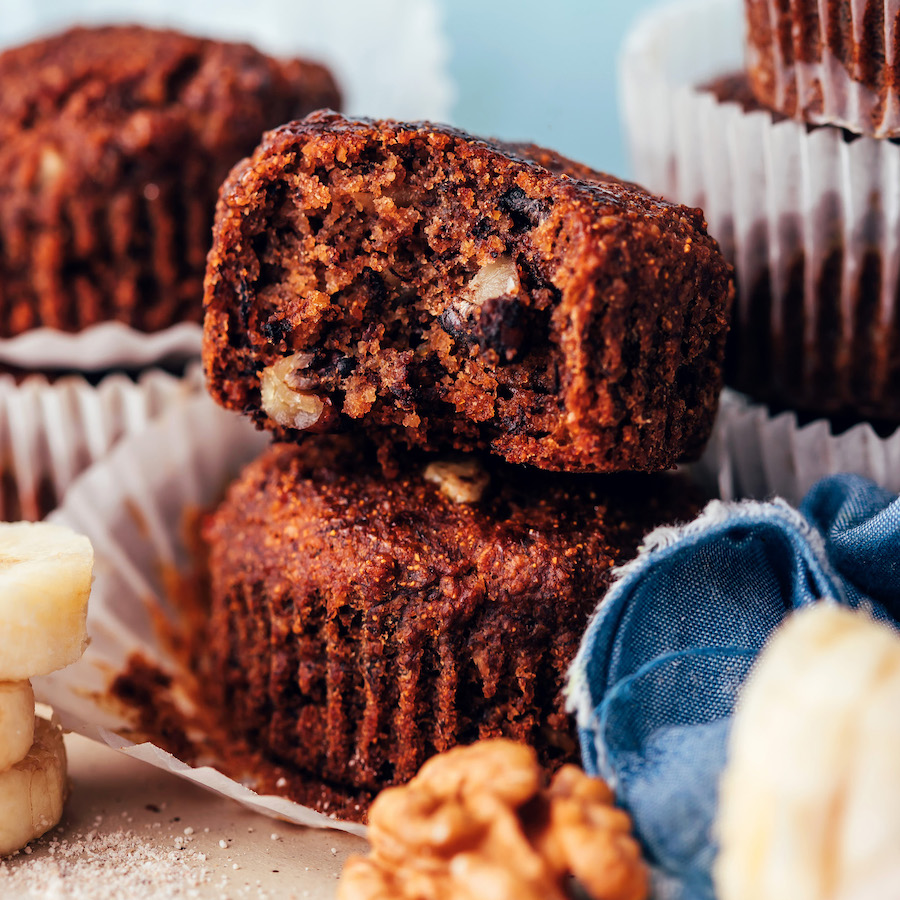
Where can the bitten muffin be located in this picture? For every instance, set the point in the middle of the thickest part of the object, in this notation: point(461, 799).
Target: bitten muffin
point(827, 61)
point(440, 291)
point(358, 625)
point(113, 143)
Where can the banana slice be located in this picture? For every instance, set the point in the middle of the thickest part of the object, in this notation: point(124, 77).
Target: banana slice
point(16, 721)
point(809, 804)
point(32, 792)
point(45, 581)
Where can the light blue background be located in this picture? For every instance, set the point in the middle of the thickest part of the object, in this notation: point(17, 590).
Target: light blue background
point(543, 72)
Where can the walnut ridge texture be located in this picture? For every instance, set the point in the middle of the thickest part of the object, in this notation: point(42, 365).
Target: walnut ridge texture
point(441, 291)
point(113, 143)
point(358, 624)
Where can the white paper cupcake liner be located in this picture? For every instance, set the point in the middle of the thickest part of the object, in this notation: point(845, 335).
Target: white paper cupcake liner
point(829, 91)
point(756, 455)
point(132, 506)
point(390, 59)
point(50, 431)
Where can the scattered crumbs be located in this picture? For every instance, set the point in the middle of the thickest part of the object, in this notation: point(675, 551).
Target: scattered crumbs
point(117, 866)
point(334, 851)
point(249, 831)
point(274, 836)
point(223, 845)
point(189, 830)
point(282, 782)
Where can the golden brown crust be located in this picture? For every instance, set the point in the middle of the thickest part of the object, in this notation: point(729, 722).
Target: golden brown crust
point(364, 247)
point(358, 625)
point(113, 142)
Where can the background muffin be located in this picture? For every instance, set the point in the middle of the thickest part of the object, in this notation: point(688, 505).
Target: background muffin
point(113, 142)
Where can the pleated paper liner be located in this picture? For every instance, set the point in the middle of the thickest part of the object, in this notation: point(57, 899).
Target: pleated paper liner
point(52, 430)
point(755, 454)
point(136, 507)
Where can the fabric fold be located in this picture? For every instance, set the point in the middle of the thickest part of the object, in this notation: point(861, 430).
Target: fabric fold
point(662, 663)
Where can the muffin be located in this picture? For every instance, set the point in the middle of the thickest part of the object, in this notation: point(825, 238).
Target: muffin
point(113, 142)
point(827, 61)
point(358, 625)
point(805, 213)
point(440, 291)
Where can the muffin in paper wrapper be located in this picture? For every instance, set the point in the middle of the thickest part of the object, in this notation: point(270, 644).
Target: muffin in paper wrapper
point(827, 61)
point(809, 218)
point(135, 506)
point(370, 48)
point(51, 431)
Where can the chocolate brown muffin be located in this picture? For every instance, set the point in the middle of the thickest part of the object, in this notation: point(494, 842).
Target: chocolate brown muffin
point(113, 142)
point(440, 291)
point(827, 62)
point(359, 625)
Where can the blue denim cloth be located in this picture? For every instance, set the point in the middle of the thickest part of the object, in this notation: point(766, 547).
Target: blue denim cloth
point(663, 660)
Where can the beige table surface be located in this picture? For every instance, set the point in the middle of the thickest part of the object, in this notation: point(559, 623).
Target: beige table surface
point(131, 831)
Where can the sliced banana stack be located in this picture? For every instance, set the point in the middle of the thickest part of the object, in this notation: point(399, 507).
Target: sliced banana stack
point(809, 805)
point(33, 790)
point(45, 582)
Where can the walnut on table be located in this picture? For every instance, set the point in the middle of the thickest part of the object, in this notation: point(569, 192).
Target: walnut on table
point(476, 822)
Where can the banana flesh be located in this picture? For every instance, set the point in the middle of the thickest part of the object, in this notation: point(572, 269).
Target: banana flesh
point(33, 790)
point(16, 721)
point(45, 582)
point(809, 804)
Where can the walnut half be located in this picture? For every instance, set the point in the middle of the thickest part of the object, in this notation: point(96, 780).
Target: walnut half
point(476, 823)
point(462, 480)
point(281, 402)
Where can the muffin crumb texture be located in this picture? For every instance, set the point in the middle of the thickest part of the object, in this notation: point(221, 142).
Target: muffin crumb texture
point(442, 292)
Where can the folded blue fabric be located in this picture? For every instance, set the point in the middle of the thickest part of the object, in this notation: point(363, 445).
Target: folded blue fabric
point(660, 667)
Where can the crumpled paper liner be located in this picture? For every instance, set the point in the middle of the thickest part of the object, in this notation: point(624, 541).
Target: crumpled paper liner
point(390, 59)
point(51, 431)
point(756, 455)
point(132, 506)
point(826, 92)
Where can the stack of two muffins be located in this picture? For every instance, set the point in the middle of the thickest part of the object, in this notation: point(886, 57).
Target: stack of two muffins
point(782, 123)
point(455, 342)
